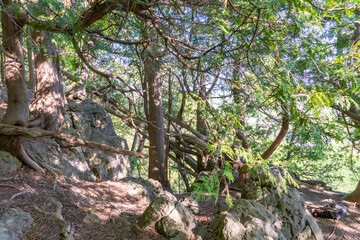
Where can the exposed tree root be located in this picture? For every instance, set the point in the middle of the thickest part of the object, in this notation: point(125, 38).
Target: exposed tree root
point(31, 163)
point(66, 230)
point(18, 194)
point(54, 171)
point(9, 185)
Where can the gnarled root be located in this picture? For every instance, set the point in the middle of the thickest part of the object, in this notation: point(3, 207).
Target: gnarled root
point(66, 230)
point(31, 163)
point(15, 146)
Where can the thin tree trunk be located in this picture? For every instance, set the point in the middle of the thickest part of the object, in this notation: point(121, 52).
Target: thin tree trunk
point(31, 61)
point(201, 125)
point(48, 106)
point(152, 64)
point(2, 70)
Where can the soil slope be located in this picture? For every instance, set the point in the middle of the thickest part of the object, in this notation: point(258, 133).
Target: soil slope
point(118, 210)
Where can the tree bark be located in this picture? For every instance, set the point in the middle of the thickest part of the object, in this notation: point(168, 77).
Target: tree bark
point(354, 196)
point(48, 106)
point(31, 61)
point(281, 135)
point(201, 125)
point(152, 64)
point(17, 112)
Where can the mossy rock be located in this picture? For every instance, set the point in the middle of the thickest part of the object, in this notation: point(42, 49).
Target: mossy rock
point(8, 163)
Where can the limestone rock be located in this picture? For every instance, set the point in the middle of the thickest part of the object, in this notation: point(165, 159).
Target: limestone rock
point(288, 207)
point(70, 161)
point(8, 163)
point(265, 212)
point(147, 189)
point(6, 234)
point(94, 124)
point(15, 221)
point(89, 121)
point(169, 217)
point(247, 220)
point(91, 219)
point(190, 203)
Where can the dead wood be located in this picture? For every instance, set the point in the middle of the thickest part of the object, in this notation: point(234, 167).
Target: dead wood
point(71, 140)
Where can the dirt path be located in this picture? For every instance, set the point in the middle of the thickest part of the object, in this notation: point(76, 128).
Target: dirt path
point(347, 228)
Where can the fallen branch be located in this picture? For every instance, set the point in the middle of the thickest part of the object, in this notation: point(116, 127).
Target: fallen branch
point(72, 141)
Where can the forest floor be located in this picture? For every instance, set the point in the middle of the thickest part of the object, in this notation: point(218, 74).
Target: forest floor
point(118, 210)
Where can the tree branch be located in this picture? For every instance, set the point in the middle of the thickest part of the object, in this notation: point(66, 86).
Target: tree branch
point(72, 141)
point(284, 129)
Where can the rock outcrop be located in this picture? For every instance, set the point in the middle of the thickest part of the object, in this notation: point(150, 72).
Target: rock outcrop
point(13, 222)
point(89, 121)
point(264, 212)
point(169, 216)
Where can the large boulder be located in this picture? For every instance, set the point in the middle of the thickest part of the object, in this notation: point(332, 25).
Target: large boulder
point(169, 217)
point(92, 122)
point(266, 212)
point(247, 220)
point(71, 162)
point(8, 163)
point(288, 206)
point(89, 121)
point(13, 222)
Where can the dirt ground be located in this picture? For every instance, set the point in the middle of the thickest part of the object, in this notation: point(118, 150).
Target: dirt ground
point(118, 210)
point(346, 228)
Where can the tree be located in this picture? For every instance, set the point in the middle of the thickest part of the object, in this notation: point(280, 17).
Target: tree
point(17, 111)
point(152, 65)
point(48, 105)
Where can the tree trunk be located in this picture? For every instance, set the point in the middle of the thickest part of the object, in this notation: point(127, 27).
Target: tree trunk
point(152, 65)
point(354, 196)
point(48, 106)
point(201, 125)
point(30, 48)
point(17, 112)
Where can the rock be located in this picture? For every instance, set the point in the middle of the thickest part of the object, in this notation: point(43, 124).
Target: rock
point(91, 219)
point(265, 212)
point(15, 220)
point(202, 233)
point(169, 217)
point(70, 161)
point(229, 227)
point(247, 220)
point(8, 163)
point(288, 207)
point(140, 187)
point(6, 234)
point(89, 121)
point(190, 203)
point(94, 124)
